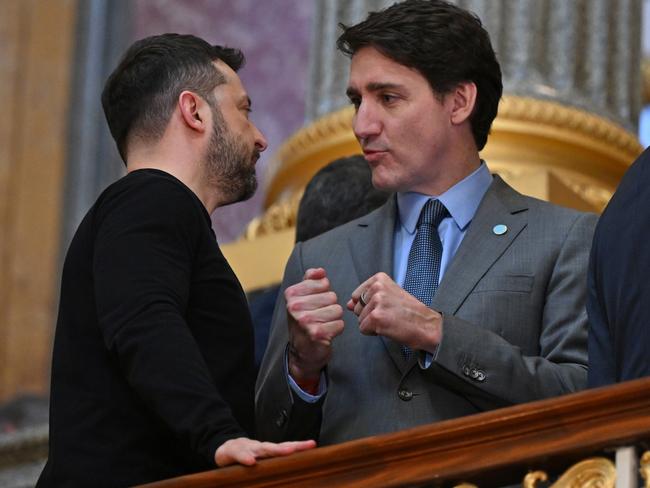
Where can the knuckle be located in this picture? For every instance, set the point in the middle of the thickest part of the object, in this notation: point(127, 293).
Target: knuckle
point(293, 306)
point(339, 325)
point(315, 334)
point(291, 291)
point(304, 320)
point(375, 315)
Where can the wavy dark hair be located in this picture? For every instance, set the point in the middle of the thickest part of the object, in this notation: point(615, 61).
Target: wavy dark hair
point(446, 44)
point(140, 94)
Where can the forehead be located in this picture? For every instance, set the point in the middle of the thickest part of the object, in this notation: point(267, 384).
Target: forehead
point(370, 67)
point(233, 83)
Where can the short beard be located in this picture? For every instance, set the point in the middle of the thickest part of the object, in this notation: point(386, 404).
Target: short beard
point(229, 163)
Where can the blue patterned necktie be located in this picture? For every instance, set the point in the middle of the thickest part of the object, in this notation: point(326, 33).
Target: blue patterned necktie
point(423, 268)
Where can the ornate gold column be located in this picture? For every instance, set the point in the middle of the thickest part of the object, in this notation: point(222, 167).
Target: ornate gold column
point(566, 126)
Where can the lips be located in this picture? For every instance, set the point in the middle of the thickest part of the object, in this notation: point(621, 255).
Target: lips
point(372, 155)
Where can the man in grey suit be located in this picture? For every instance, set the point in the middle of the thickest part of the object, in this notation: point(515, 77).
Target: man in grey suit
point(499, 278)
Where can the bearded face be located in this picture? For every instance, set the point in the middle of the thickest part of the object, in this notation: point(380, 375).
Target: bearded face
point(230, 161)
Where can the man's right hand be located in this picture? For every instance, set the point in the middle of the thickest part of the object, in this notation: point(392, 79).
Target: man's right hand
point(247, 451)
point(315, 318)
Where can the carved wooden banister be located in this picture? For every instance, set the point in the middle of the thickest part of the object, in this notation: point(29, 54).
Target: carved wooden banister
point(488, 449)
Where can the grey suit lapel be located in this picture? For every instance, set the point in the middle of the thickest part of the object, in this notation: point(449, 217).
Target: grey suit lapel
point(372, 252)
point(481, 247)
point(371, 245)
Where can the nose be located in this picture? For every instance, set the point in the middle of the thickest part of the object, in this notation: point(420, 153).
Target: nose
point(260, 141)
point(365, 122)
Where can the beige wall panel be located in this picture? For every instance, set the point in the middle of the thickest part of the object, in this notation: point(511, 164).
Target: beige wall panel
point(37, 168)
point(9, 74)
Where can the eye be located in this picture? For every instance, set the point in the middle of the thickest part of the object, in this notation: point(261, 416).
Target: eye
point(388, 98)
point(356, 102)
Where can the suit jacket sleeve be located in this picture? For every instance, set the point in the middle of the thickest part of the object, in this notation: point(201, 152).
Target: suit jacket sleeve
point(145, 243)
point(281, 415)
point(493, 373)
point(602, 367)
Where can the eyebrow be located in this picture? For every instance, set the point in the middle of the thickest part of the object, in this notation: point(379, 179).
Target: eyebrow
point(374, 86)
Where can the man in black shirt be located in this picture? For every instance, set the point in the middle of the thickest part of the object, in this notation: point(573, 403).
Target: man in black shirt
point(152, 372)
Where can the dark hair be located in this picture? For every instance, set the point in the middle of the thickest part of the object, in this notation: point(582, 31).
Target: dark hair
point(446, 44)
point(140, 94)
point(336, 194)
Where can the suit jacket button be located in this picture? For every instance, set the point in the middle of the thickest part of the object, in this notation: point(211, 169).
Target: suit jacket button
point(480, 375)
point(405, 395)
point(473, 374)
point(282, 418)
point(466, 370)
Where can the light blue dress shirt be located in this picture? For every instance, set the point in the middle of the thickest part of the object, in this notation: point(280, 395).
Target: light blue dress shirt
point(461, 201)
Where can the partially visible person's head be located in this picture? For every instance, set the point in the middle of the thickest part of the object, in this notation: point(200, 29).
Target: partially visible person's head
point(444, 43)
point(337, 193)
point(143, 91)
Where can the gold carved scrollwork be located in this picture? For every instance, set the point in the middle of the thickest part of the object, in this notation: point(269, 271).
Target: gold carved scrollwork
point(534, 477)
point(569, 119)
point(644, 468)
point(591, 473)
point(279, 216)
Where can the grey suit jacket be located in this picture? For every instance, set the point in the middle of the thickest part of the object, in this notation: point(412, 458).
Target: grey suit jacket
point(514, 327)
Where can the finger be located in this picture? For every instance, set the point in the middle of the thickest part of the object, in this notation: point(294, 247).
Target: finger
point(351, 304)
point(311, 302)
point(246, 457)
point(325, 332)
point(367, 324)
point(312, 318)
point(270, 449)
point(308, 287)
point(314, 274)
point(233, 451)
point(356, 294)
point(358, 309)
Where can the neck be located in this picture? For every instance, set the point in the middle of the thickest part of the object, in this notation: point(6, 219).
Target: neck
point(189, 170)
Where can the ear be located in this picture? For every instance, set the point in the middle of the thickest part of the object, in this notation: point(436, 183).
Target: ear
point(463, 102)
point(192, 110)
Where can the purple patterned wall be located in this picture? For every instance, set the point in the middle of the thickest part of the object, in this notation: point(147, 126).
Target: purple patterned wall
point(275, 37)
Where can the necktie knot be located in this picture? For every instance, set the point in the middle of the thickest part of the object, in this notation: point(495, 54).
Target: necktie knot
point(432, 213)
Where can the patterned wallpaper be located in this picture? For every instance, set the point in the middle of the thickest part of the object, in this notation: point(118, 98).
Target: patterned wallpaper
point(275, 37)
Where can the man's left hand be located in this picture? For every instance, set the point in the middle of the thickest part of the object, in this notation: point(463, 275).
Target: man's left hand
point(387, 310)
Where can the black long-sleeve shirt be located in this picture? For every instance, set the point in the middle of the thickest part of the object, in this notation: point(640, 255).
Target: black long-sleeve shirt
point(153, 355)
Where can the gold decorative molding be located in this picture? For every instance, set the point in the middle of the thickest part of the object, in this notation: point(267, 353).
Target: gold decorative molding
point(554, 122)
point(573, 121)
point(312, 147)
point(279, 216)
point(591, 473)
point(599, 197)
point(644, 468)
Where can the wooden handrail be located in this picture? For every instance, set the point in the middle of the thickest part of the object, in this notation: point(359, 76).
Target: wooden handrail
point(490, 448)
